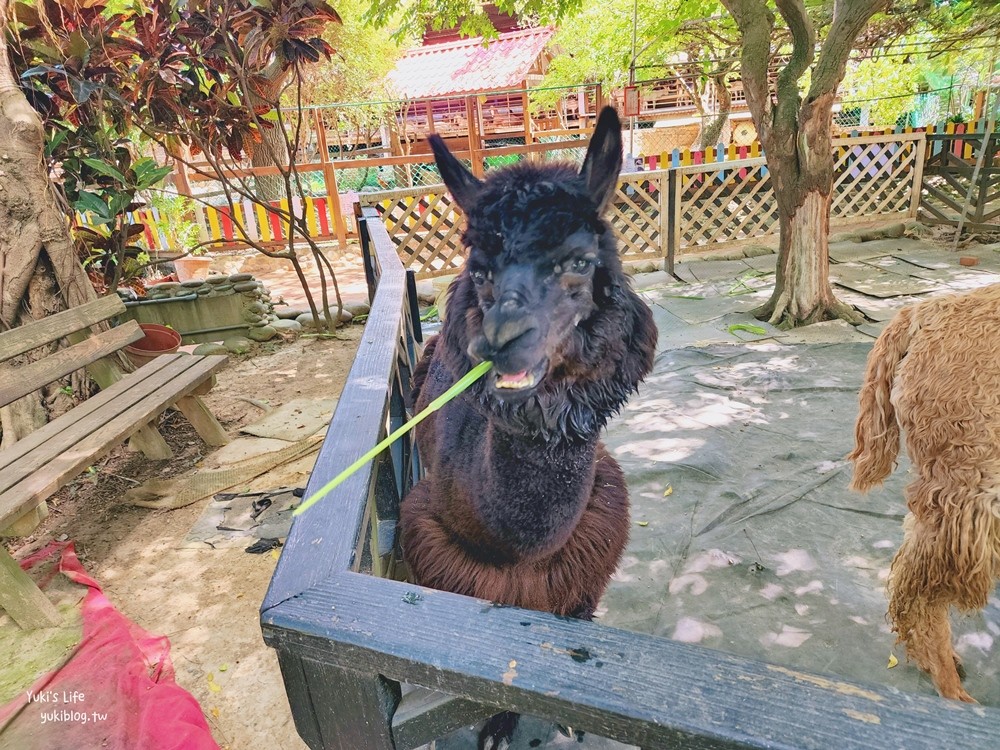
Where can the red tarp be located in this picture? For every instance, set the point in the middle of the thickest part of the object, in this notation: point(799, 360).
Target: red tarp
point(116, 691)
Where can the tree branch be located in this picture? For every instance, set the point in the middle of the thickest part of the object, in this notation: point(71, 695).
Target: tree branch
point(803, 49)
point(8, 82)
point(849, 20)
point(756, 24)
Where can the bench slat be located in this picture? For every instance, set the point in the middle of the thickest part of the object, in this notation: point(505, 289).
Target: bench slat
point(16, 382)
point(65, 422)
point(33, 335)
point(74, 449)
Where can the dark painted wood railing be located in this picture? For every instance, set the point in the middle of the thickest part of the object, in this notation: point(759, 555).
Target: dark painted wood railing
point(351, 643)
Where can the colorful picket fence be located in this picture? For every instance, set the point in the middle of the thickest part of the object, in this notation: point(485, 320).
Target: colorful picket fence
point(886, 153)
point(151, 238)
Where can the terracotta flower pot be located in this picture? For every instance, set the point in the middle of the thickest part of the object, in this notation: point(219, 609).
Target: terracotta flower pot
point(191, 267)
point(158, 340)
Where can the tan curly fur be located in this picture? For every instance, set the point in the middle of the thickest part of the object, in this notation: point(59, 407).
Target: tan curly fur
point(934, 373)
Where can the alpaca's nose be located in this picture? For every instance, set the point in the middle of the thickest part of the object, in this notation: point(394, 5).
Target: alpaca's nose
point(500, 327)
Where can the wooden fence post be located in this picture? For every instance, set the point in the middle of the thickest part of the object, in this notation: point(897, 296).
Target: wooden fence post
point(674, 218)
point(663, 184)
point(918, 176)
point(330, 180)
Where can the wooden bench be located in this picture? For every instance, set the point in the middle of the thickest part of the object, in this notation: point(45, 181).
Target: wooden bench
point(38, 465)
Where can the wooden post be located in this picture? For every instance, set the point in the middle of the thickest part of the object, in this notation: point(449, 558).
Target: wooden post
point(599, 96)
point(342, 710)
point(203, 421)
point(978, 105)
point(918, 176)
point(527, 114)
point(674, 241)
point(22, 599)
point(663, 185)
point(475, 139)
point(430, 116)
point(330, 180)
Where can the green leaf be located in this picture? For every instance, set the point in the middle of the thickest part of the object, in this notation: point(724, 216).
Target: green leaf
point(748, 328)
point(152, 177)
point(105, 169)
point(90, 203)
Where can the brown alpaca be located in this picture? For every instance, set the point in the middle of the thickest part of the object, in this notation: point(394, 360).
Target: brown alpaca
point(935, 373)
point(521, 503)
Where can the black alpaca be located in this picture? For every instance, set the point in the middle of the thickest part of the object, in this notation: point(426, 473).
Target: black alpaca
point(522, 504)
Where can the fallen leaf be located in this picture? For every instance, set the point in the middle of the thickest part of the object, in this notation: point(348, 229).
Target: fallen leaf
point(215, 712)
point(893, 661)
point(213, 685)
point(224, 667)
point(642, 523)
point(669, 491)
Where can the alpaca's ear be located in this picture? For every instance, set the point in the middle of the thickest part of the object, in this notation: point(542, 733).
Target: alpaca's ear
point(461, 183)
point(604, 158)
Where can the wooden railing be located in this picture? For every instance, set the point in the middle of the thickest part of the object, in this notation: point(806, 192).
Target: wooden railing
point(662, 213)
point(375, 663)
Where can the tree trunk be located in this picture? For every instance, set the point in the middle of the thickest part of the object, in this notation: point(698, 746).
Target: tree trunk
point(272, 151)
point(716, 128)
point(800, 160)
point(34, 231)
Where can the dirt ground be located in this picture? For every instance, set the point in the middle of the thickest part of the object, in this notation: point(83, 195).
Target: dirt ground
point(205, 600)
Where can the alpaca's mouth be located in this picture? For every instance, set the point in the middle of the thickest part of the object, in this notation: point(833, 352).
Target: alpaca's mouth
point(521, 381)
point(515, 381)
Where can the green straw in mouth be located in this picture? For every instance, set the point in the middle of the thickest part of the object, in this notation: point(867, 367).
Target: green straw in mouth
point(463, 383)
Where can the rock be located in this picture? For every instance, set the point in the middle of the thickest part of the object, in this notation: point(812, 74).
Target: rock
point(210, 348)
point(845, 237)
point(358, 308)
point(969, 260)
point(260, 263)
point(629, 269)
point(238, 344)
point(426, 292)
point(238, 277)
point(204, 291)
point(217, 279)
point(262, 333)
point(736, 254)
point(164, 286)
point(286, 326)
point(891, 232)
point(257, 307)
point(245, 286)
point(290, 313)
point(345, 315)
point(192, 284)
point(306, 321)
point(755, 251)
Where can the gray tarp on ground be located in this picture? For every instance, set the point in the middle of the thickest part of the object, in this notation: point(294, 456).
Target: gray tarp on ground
point(750, 439)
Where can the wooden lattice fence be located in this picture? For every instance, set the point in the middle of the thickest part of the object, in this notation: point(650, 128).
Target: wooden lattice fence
point(948, 177)
point(661, 213)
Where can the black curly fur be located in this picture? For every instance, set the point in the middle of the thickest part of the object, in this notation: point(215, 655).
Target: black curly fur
point(521, 503)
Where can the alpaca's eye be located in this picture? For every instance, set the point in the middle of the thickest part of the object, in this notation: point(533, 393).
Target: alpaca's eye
point(580, 265)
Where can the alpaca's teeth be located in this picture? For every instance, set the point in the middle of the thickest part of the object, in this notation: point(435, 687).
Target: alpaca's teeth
point(516, 381)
